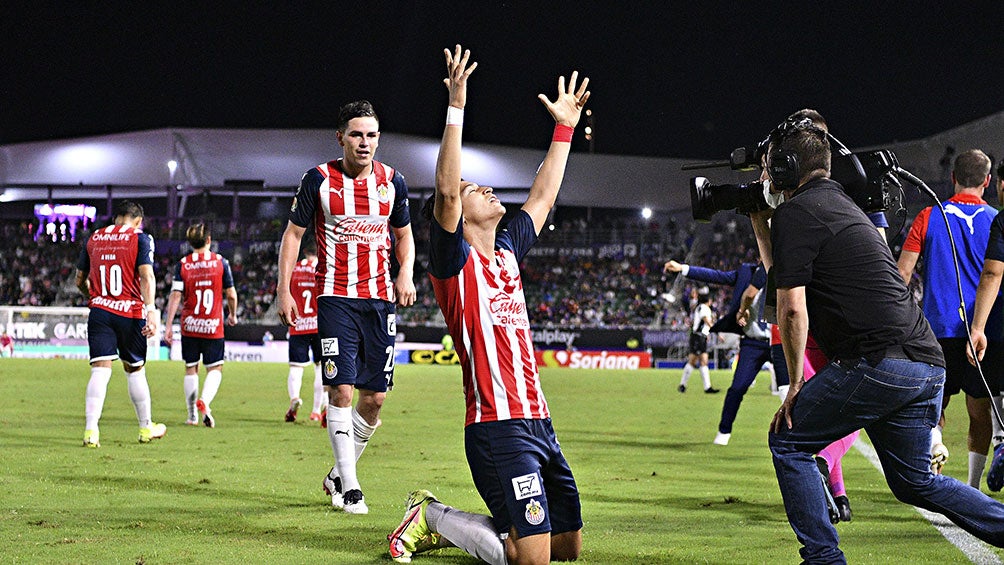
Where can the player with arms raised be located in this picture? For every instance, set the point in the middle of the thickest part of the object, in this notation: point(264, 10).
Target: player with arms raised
point(116, 271)
point(513, 453)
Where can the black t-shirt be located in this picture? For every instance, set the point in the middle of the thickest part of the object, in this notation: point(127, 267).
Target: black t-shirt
point(857, 302)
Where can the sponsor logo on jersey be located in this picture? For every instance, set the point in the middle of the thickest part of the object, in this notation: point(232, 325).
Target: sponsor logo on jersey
point(526, 486)
point(207, 326)
point(329, 346)
point(391, 324)
point(534, 513)
point(116, 305)
point(508, 311)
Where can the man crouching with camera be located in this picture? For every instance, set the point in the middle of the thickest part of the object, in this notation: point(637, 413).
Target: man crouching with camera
point(836, 277)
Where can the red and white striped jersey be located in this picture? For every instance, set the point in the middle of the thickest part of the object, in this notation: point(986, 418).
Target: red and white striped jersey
point(111, 257)
point(352, 219)
point(201, 279)
point(485, 312)
point(303, 287)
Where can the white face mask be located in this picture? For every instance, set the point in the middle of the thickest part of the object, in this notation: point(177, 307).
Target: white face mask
point(773, 199)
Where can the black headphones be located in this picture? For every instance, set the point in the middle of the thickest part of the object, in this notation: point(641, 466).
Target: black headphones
point(782, 165)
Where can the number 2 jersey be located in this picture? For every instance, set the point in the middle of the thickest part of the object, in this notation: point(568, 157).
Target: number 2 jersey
point(303, 287)
point(111, 257)
point(201, 279)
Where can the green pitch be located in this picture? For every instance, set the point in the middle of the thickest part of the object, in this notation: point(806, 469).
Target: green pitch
point(654, 488)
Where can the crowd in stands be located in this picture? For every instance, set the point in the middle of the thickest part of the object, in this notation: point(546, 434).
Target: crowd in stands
point(588, 273)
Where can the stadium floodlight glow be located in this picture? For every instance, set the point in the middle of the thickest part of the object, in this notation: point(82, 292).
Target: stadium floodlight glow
point(172, 166)
point(646, 212)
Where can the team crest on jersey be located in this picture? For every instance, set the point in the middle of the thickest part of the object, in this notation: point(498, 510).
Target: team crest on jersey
point(391, 324)
point(383, 193)
point(330, 370)
point(526, 486)
point(329, 346)
point(534, 513)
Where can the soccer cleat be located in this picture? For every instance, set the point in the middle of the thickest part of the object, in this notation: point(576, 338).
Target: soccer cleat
point(831, 505)
point(315, 416)
point(995, 476)
point(711, 390)
point(843, 507)
point(413, 535)
point(333, 488)
point(155, 431)
point(682, 388)
point(91, 438)
point(294, 407)
point(354, 501)
point(722, 439)
point(207, 414)
point(939, 455)
point(192, 422)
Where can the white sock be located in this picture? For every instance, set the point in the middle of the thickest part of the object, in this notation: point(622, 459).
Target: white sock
point(211, 385)
point(139, 392)
point(706, 376)
point(977, 462)
point(94, 401)
point(361, 432)
point(935, 436)
point(320, 397)
point(999, 402)
point(687, 369)
point(191, 394)
point(343, 446)
point(474, 533)
point(294, 381)
point(782, 391)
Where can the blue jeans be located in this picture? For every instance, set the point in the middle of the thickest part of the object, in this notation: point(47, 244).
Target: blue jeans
point(897, 402)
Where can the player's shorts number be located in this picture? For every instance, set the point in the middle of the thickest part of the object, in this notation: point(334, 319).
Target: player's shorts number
point(389, 366)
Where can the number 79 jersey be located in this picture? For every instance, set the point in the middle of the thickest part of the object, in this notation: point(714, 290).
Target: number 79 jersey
point(111, 258)
point(303, 286)
point(201, 279)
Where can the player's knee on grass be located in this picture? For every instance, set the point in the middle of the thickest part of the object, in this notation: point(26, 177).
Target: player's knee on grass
point(529, 550)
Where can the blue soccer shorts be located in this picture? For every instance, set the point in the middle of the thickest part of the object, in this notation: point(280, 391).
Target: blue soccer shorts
point(357, 342)
point(111, 337)
point(301, 347)
point(208, 349)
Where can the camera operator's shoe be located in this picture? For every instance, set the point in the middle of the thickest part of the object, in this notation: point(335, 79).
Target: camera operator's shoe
point(939, 455)
point(333, 488)
point(155, 431)
point(354, 501)
point(294, 407)
point(91, 438)
point(843, 507)
point(995, 476)
point(412, 535)
point(831, 505)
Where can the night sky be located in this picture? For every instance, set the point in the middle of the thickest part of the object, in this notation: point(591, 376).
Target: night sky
point(666, 81)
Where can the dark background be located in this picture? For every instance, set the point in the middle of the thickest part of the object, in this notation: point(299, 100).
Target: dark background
point(666, 81)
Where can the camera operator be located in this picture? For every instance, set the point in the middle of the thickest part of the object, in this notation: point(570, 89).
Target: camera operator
point(836, 276)
point(969, 217)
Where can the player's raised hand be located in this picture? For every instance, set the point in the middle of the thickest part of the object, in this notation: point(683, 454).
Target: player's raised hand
point(567, 107)
point(457, 71)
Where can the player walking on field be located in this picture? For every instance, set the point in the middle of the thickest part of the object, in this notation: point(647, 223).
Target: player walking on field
point(304, 343)
point(116, 271)
point(201, 280)
point(352, 204)
point(513, 453)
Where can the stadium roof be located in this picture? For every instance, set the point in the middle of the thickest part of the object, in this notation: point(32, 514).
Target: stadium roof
point(208, 157)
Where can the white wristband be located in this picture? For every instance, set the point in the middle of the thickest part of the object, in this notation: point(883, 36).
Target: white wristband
point(454, 116)
point(150, 308)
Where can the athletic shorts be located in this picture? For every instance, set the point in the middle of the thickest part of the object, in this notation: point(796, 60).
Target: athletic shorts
point(301, 347)
point(961, 376)
point(698, 344)
point(522, 476)
point(208, 349)
point(357, 342)
point(111, 337)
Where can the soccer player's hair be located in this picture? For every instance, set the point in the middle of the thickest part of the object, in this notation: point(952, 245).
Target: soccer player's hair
point(971, 168)
point(309, 248)
point(197, 235)
point(128, 209)
point(357, 109)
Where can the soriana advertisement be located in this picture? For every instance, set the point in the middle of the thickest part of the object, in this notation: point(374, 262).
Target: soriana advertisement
point(594, 359)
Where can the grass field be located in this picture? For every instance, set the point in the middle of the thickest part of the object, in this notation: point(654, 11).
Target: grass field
point(654, 488)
